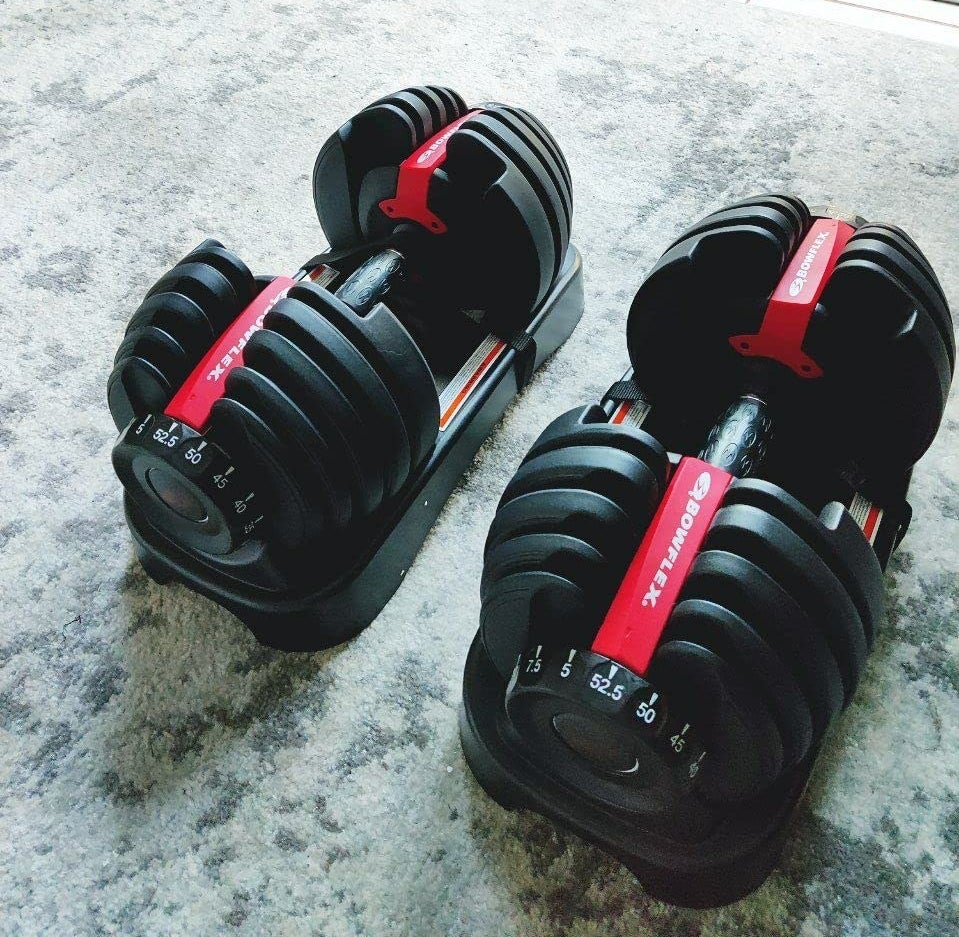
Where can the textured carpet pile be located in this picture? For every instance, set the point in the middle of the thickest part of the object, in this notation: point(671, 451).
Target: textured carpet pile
point(160, 773)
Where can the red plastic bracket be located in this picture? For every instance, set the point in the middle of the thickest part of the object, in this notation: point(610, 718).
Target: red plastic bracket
point(413, 184)
point(783, 329)
point(192, 402)
point(640, 609)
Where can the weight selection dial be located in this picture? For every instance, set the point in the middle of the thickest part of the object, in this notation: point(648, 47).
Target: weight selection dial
point(188, 485)
point(586, 715)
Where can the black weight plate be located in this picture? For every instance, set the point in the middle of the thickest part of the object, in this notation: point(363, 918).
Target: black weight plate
point(538, 130)
point(898, 239)
point(304, 450)
point(455, 105)
point(405, 126)
point(745, 751)
point(616, 475)
point(207, 287)
point(679, 325)
point(834, 536)
point(439, 116)
point(135, 387)
point(561, 554)
point(777, 221)
point(310, 388)
point(314, 395)
point(250, 441)
point(386, 344)
point(417, 110)
point(732, 638)
point(161, 349)
point(554, 147)
point(864, 246)
point(179, 317)
point(528, 608)
point(908, 246)
point(592, 518)
point(795, 207)
point(547, 154)
point(744, 249)
point(212, 252)
point(323, 343)
point(543, 153)
point(887, 369)
point(379, 137)
point(773, 547)
point(501, 226)
point(742, 587)
point(547, 172)
point(515, 148)
point(587, 426)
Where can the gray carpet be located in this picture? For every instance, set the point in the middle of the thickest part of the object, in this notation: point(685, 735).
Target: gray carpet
point(162, 774)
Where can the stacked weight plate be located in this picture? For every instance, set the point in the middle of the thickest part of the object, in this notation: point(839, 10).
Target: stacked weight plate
point(183, 313)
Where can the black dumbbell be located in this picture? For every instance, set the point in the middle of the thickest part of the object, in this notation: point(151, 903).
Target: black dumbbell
point(668, 655)
point(274, 413)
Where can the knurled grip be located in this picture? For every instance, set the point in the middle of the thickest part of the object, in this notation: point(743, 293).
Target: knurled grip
point(737, 442)
point(366, 285)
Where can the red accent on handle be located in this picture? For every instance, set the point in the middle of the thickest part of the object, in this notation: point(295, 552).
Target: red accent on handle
point(793, 302)
point(413, 184)
point(640, 609)
point(192, 402)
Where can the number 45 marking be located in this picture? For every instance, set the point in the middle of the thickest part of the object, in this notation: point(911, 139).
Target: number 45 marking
point(678, 742)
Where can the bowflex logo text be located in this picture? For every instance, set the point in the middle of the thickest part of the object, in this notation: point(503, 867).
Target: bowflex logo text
point(696, 494)
point(226, 362)
point(799, 280)
point(438, 144)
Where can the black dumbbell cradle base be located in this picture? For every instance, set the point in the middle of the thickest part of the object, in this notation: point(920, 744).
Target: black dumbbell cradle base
point(726, 864)
point(311, 618)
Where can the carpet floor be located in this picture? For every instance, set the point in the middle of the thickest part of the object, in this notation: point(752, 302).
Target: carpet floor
point(160, 773)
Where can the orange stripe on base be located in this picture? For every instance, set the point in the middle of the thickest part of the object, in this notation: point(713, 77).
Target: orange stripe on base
point(871, 525)
point(622, 411)
point(458, 401)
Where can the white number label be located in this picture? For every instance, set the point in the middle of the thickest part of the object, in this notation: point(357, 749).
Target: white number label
point(220, 481)
point(162, 436)
point(694, 767)
point(678, 742)
point(602, 684)
point(193, 456)
point(646, 712)
point(565, 670)
point(239, 506)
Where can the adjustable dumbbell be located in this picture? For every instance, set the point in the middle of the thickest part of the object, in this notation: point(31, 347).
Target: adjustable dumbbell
point(666, 639)
point(273, 428)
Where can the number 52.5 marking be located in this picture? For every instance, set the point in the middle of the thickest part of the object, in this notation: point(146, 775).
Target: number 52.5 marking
point(602, 684)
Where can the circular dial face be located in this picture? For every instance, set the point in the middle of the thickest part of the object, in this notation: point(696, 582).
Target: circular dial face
point(187, 485)
point(600, 727)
